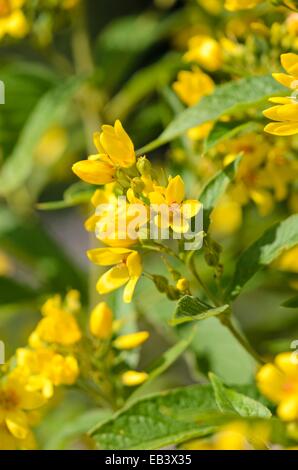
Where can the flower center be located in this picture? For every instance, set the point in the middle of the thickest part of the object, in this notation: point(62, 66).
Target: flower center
point(8, 399)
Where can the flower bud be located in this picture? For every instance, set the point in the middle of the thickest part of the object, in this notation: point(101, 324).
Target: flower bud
point(131, 341)
point(131, 378)
point(161, 283)
point(101, 321)
point(182, 285)
point(144, 166)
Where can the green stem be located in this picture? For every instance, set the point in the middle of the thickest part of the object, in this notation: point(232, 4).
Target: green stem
point(196, 275)
point(227, 322)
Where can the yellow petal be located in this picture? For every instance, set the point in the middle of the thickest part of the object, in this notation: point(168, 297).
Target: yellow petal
point(287, 362)
point(289, 62)
point(284, 79)
point(94, 171)
point(108, 256)
point(281, 100)
point(113, 279)
point(288, 409)
point(282, 128)
point(190, 208)
point(134, 264)
point(175, 191)
point(16, 423)
point(129, 289)
point(131, 341)
point(179, 224)
point(271, 382)
point(118, 145)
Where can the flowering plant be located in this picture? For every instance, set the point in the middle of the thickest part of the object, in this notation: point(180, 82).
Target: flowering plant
point(156, 304)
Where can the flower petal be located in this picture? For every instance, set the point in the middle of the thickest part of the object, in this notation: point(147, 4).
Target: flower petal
point(107, 256)
point(175, 191)
point(94, 171)
point(113, 279)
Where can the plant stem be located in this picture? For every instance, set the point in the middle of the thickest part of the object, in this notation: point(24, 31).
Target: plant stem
point(227, 322)
point(195, 273)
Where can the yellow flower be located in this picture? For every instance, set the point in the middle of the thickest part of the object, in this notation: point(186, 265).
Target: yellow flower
point(226, 217)
point(43, 369)
point(279, 382)
point(101, 321)
point(127, 270)
point(179, 211)
point(288, 261)
point(132, 378)
point(116, 222)
point(100, 196)
point(12, 20)
point(58, 325)
point(191, 86)
point(286, 111)
point(115, 150)
point(15, 401)
point(131, 341)
point(206, 51)
point(234, 5)
point(236, 435)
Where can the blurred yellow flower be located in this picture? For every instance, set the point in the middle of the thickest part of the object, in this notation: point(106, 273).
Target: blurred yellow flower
point(127, 270)
point(286, 111)
point(12, 19)
point(234, 5)
point(236, 435)
point(115, 150)
point(279, 382)
point(132, 340)
point(288, 261)
point(68, 4)
point(58, 325)
point(43, 369)
point(226, 217)
point(101, 321)
point(179, 211)
point(51, 146)
point(191, 86)
point(132, 378)
point(205, 51)
point(15, 401)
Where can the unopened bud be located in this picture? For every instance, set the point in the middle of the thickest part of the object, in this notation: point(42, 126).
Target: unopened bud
point(161, 283)
point(137, 185)
point(101, 321)
point(182, 284)
point(144, 166)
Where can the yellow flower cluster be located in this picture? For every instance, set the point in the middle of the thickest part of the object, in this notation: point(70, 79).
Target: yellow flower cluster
point(234, 5)
point(237, 435)
point(37, 369)
point(102, 326)
point(279, 382)
point(286, 111)
point(116, 167)
point(12, 19)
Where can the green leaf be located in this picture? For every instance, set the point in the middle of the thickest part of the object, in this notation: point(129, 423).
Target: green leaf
point(291, 303)
point(230, 401)
point(164, 362)
point(281, 236)
point(227, 99)
point(226, 130)
point(160, 420)
point(20, 163)
point(215, 188)
point(191, 308)
point(76, 194)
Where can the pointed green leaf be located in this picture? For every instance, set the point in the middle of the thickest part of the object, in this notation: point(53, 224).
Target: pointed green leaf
point(191, 308)
point(230, 401)
point(227, 99)
point(280, 237)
